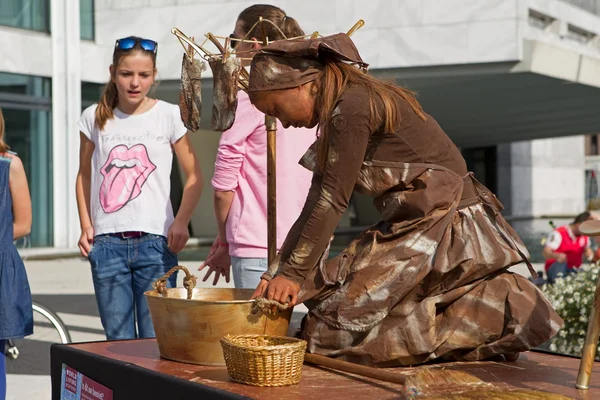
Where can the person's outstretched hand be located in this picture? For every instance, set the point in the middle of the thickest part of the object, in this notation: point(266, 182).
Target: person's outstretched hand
point(218, 261)
point(278, 289)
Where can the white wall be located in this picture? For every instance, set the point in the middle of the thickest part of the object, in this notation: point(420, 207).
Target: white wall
point(25, 52)
point(558, 176)
point(592, 6)
point(547, 177)
point(396, 34)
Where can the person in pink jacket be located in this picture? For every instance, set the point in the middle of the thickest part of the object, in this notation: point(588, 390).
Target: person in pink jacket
point(240, 178)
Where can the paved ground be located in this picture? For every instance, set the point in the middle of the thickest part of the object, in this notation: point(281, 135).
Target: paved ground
point(65, 285)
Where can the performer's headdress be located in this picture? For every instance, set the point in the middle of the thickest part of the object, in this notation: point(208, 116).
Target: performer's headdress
point(286, 64)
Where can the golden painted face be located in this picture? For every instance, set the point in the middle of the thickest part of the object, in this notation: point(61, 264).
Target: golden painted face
point(293, 107)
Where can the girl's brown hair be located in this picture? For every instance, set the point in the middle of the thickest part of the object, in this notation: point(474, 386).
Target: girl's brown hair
point(3, 146)
point(288, 25)
point(332, 82)
point(110, 96)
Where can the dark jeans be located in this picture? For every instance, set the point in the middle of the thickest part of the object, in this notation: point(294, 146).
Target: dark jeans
point(2, 371)
point(558, 268)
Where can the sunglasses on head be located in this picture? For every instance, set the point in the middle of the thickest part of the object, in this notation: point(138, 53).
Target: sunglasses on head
point(129, 43)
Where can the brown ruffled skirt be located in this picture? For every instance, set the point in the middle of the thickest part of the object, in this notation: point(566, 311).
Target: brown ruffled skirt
point(439, 290)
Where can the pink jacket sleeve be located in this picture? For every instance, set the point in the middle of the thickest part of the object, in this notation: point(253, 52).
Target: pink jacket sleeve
point(231, 151)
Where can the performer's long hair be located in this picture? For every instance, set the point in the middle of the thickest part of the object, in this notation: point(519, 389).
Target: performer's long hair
point(330, 85)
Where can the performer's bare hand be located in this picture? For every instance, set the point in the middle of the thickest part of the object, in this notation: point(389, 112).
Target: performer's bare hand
point(261, 289)
point(281, 289)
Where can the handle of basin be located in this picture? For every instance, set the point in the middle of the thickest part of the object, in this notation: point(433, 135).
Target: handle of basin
point(189, 282)
point(268, 306)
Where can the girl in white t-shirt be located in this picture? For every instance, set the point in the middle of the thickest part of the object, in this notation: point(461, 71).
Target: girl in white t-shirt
point(128, 230)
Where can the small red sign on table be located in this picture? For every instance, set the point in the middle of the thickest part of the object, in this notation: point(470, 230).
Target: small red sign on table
point(76, 386)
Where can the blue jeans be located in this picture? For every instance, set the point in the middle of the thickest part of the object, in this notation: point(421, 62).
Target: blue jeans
point(122, 270)
point(558, 268)
point(247, 271)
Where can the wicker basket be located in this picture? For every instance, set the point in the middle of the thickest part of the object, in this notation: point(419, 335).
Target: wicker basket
point(261, 360)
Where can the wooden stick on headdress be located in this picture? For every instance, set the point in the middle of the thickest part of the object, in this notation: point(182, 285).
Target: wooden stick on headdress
point(182, 37)
point(190, 50)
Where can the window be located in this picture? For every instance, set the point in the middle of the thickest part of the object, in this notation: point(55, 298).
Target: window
point(86, 18)
point(26, 14)
point(26, 104)
point(539, 20)
point(90, 93)
point(482, 162)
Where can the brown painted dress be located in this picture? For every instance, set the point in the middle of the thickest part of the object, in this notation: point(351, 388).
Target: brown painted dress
point(428, 281)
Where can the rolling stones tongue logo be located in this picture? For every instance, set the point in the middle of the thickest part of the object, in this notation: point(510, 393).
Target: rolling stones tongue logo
point(125, 172)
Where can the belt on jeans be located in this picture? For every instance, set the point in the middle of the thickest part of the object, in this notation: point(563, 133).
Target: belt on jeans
point(128, 234)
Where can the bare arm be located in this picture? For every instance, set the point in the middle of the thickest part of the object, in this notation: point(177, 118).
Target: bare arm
point(218, 260)
point(82, 192)
point(553, 242)
point(589, 254)
point(550, 254)
point(191, 192)
point(222, 203)
point(21, 200)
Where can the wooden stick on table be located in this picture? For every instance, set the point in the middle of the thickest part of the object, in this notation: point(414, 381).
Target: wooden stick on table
point(356, 369)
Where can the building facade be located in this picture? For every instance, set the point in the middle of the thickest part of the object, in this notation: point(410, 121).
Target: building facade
point(33, 72)
point(504, 79)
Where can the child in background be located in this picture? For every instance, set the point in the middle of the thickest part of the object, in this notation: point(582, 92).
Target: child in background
point(16, 312)
point(240, 178)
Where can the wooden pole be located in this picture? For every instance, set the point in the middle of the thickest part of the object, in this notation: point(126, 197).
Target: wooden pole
point(271, 125)
point(590, 228)
point(590, 345)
